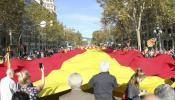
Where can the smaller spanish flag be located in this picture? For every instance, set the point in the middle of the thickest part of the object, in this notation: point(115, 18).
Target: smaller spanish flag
point(151, 42)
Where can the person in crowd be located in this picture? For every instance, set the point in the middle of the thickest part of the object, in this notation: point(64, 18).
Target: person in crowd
point(25, 85)
point(171, 53)
point(150, 97)
point(38, 54)
point(20, 96)
point(42, 54)
point(75, 81)
point(127, 45)
point(165, 92)
point(145, 52)
point(7, 86)
point(103, 83)
point(29, 57)
point(132, 91)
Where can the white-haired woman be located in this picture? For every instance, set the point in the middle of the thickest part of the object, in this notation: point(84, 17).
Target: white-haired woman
point(25, 85)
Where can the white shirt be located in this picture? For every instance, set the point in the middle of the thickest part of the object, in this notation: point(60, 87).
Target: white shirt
point(7, 88)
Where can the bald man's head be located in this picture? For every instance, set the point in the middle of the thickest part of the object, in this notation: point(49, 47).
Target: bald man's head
point(150, 97)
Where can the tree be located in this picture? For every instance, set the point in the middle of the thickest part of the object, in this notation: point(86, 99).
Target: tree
point(74, 38)
point(11, 14)
point(99, 37)
point(55, 32)
point(127, 15)
point(10, 21)
point(78, 38)
point(35, 13)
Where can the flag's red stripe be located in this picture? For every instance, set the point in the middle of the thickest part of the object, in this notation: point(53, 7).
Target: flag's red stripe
point(162, 65)
point(50, 63)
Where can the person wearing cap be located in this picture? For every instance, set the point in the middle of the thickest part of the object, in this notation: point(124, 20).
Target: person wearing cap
point(7, 86)
point(75, 81)
point(103, 83)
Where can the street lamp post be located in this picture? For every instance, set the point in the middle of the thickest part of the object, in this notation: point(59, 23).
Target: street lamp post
point(109, 34)
point(10, 34)
point(66, 43)
point(9, 48)
point(158, 32)
point(42, 25)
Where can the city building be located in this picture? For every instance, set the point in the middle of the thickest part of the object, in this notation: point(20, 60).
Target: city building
point(167, 36)
point(49, 4)
point(30, 39)
point(26, 39)
point(168, 39)
point(27, 2)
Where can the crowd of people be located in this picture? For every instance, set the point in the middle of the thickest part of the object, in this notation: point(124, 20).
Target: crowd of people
point(39, 54)
point(153, 52)
point(148, 52)
point(33, 54)
point(102, 84)
point(23, 89)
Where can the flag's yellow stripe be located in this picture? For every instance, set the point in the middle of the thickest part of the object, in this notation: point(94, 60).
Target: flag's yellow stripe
point(87, 64)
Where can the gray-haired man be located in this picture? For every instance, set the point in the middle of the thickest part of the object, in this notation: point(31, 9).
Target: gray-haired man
point(103, 83)
point(75, 81)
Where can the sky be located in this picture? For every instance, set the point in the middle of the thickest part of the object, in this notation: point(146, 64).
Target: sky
point(81, 15)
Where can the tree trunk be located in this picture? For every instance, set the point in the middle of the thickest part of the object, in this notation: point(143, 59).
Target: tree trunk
point(138, 39)
point(138, 27)
point(138, 33)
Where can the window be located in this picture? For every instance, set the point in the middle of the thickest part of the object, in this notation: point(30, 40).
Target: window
point(163, 30)
point(165, 44)
point(170, 44)
point(1, 41)
point(48, 5)
point(51, 7)
point(169, 30)
point(44, 5)
point(174, 29)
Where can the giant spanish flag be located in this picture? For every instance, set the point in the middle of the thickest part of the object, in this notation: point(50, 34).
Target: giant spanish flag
point(122, 66)
point(87, 64)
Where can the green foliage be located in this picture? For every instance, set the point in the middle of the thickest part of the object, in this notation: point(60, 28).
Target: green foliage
point(55, 32)
point(11, 14)
point(73, 37)
point(78, 38)
point(127, 16)
point(36, 13)
point(15, 16)
point(99, 37)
